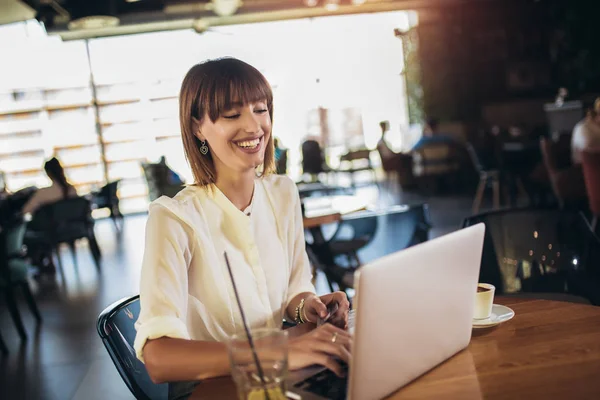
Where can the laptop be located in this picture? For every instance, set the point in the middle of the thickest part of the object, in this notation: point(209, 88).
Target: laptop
point(414, 310)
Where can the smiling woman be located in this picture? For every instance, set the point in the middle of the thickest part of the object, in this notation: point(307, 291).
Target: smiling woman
point(188, 307)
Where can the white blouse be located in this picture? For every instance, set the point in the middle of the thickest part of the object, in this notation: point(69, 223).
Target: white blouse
point(185, 289)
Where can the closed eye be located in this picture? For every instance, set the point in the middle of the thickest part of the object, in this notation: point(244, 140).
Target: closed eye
point(234, 116)
point(260, 111)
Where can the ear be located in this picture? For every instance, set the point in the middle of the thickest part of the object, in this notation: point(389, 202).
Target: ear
point(196, 124)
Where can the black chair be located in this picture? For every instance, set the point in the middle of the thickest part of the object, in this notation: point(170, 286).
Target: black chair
point(116, 329)
point(64, 221)
point(489, 175)
point(353, 233)
point(373, 233)
point(107, 197)
point(540, 251)
point(313, 160)
point(357, 161)
point(157, 179)
point(14, 273)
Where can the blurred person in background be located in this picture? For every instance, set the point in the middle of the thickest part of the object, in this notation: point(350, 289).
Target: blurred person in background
point(586, 134)
point(431, 134)
point(60, 188)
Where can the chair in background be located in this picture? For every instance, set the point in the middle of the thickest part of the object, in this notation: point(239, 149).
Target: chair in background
point(396, 165)
point(436, 164)
point(281, 163)
point(540, 250)
point(357, 161)
point(14, 273)
point(107, 197)
point(404, 226)
point(567, 180)
point(591, 172)
point(313, 160)
point(64, 221)
point(158, 181)
point(489, 175)
point(353, 233)
point(116, 328)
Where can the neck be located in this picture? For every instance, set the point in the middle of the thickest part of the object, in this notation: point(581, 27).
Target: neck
point(237, 188)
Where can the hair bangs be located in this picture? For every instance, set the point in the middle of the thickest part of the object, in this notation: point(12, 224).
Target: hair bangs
point(237, 84)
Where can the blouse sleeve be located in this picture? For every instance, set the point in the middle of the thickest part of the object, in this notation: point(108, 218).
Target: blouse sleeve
point(164, 279)
point(301, 275)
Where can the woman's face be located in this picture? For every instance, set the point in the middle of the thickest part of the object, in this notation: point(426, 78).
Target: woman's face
point(238, 138)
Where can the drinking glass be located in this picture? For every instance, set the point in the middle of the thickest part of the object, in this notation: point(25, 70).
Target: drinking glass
point(271, 347)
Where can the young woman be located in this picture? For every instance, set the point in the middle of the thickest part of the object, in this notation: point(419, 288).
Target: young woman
point(188, 307)
point(60, 188)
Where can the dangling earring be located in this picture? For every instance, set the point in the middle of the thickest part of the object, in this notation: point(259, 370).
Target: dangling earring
point(203, 147)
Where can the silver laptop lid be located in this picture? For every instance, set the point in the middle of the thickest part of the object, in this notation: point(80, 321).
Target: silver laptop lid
point(414, 310)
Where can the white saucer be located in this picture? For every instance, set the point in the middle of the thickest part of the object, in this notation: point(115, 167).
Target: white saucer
point(499, 315)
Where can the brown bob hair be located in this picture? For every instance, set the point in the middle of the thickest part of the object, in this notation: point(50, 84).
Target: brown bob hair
point(210, 89)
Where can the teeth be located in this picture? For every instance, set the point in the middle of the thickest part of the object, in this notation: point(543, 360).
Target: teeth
point(249, 143)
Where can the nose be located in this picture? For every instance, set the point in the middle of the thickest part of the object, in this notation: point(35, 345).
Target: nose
point(250, 122)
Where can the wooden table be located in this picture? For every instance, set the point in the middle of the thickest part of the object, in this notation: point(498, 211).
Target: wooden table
point(317, 221)
point(330, 209)
point(549, 350)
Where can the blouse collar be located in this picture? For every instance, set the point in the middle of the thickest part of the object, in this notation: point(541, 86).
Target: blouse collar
point(226, 204)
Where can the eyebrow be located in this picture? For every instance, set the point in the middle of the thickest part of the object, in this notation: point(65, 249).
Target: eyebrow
point(241, 104)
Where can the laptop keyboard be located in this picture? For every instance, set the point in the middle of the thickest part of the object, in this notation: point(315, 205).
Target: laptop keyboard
point(326, 384)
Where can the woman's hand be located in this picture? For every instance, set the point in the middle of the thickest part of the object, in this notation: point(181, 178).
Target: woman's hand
point(319, 347)
point(315, 307)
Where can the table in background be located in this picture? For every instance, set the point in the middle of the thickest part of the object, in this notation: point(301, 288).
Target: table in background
point(548, 350)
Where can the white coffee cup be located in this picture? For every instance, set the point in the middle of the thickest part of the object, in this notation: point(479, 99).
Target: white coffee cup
point(484, 300)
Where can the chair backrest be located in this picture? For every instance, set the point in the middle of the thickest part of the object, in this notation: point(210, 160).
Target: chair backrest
point(483, 158)
point(354, 155)
point(536, 250)
point(389, 159)
point(116, 327)
point(312, 157)
point(403, 225)
point(435, 159)
point(361, 227)
point(55, 217)
point(591, 172)
point(474, 157)
point(157, 178)
point(108, 193)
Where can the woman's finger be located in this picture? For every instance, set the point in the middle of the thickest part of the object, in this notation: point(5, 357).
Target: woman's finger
point(340, 320)
point(327, 362)
point(329, 330)
point(315, 308)
point(342, 338)
point(332, 349)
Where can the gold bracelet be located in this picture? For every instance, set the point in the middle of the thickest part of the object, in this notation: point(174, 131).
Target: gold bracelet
point(299, 308)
